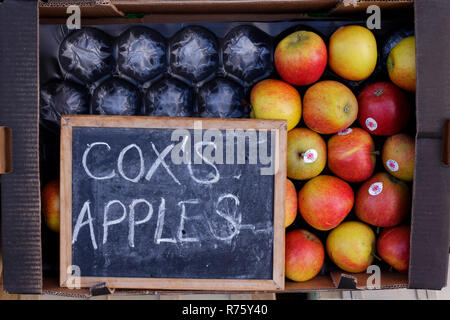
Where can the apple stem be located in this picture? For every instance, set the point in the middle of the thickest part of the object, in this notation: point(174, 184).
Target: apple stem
point(302, 154)
point(377, 152)
point(378, 230)
point(376, 257)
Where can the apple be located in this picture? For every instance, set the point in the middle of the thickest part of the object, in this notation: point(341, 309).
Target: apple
point(275, 99)
point(329, 107)
point(290, 203)
point(50, 205)
point(353, 52)
point(398, 156)
point(325, 201)
point(305, 255)
point(351, 154)
point(306, 154)
point(393, 247)
point(351, 246)
point(401, 64)
point(383, 201)
point(383, 109)
point(300, 58)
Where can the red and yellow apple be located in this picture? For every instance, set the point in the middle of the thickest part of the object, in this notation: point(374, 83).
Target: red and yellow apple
point(51, 205)
point(301, 57)
point(351, 154)
point(353, 52)
point(305, 255)
point(306, 154)
point(290, 204)
point(401, 64)
point(329, 107)
point(393, 247)
point(351, 246)
point(275, 99)
point(383, 201)
point(325, 201)
point(383, 109)
point(398, 156)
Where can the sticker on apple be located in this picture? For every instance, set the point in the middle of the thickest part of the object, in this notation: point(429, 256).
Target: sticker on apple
point(371, 124)
point(376, 188)
point(310, 156)
point(392, 165)
point(345, 131)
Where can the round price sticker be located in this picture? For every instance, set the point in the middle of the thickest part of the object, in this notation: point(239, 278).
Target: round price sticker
point(376, 188)
point(371, 124)
point(310, 156)
point(345, 131)
point(392, 165)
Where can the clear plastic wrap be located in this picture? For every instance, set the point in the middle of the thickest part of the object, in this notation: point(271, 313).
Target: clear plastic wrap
point(194, 54)
point(87, 54)
point(141, 53)
point(169, 98)
point(116, 96)
point(62, 97)
point(222, 98)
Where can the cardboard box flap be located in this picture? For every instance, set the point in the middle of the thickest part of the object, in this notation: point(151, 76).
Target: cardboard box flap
point(430, 217)
point(433, 78)
point(432, 112)
point(351, 6)
point(88, 8)
point(20, 204)
point(222, 6)
point(5, 150)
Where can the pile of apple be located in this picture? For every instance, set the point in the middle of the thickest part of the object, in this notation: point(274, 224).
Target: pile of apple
point(337, 135)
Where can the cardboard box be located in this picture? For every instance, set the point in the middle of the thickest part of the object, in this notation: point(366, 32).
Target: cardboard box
point(19, 111)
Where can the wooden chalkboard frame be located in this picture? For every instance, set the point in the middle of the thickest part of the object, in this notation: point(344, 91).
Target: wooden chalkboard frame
point(278, 275)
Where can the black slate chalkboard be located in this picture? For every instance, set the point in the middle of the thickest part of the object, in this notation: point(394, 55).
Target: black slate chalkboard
point(137, 214)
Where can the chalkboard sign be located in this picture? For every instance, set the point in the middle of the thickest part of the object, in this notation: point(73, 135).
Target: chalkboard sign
point(172, 203)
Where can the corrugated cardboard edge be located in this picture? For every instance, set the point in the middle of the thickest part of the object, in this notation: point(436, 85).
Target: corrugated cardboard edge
point(117, 8)
point(88, 8)
point(5, 150)
point(20, 194)
point(222, 6)
point(164, 11)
